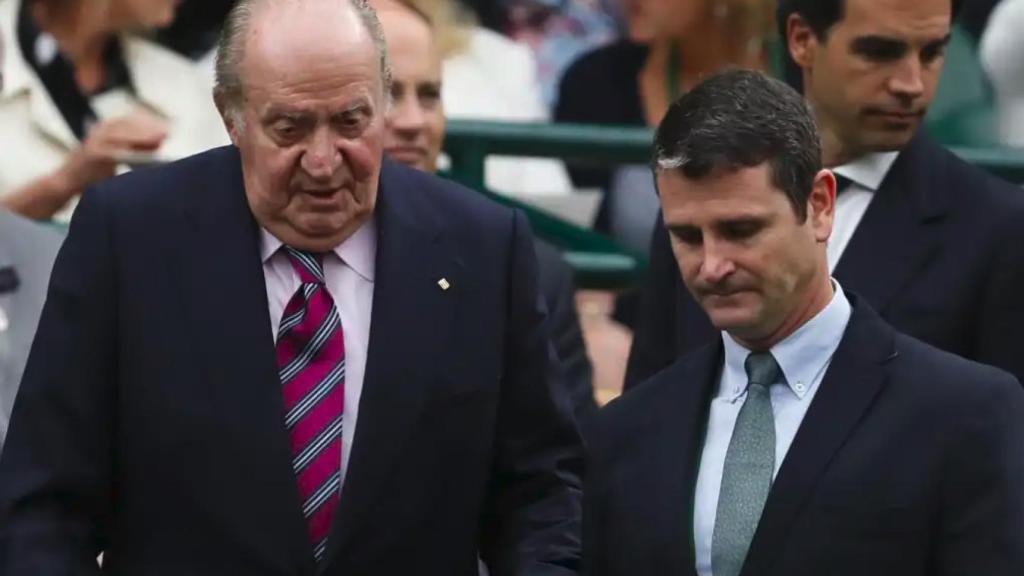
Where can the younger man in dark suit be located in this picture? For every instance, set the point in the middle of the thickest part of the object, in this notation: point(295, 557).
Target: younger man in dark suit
point(809, 437)
point(933, 244)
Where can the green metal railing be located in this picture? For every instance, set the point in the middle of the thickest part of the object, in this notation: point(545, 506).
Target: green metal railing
point(599, 262)
point(468, 143)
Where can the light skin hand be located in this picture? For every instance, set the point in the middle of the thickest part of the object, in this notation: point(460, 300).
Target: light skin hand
point(96, 159)
point(106, 143)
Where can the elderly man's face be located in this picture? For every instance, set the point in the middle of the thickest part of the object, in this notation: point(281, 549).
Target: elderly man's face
point(415, 121)
point(310, 127)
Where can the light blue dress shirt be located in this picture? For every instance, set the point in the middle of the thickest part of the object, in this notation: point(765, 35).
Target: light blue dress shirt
point(804, 357)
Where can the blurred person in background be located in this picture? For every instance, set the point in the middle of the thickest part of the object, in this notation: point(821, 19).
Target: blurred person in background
point(670, 46)
point(415, 131)
point(1002, 55)
point(559, 32)
point(932, 243)
point(85, 96)
point(490, 77)
point(27, 251)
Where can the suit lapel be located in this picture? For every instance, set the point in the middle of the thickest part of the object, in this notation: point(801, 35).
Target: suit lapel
point(409, 330)
point(681, 426)
point(853, 380)
point(225, 294)
point(901, 229)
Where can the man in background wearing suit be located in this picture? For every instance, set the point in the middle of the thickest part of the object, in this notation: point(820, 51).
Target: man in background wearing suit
point(933, 244)
point(27, 251)
point(810, 437)
point(290, 356)
point(415, 130)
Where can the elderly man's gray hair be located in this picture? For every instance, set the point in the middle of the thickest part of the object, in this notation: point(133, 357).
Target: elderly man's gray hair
point(231, 45)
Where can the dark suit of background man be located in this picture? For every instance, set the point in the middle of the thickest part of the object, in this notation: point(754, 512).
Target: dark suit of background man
point(284, 357)
point(935, 245)
point(810, 437)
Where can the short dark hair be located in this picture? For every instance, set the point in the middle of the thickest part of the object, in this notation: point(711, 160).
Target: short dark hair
point(820, 15)
point(741, 119)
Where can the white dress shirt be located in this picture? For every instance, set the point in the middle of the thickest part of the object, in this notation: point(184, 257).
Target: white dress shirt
point(348, 273)
point(866, 175)
point(803, 357)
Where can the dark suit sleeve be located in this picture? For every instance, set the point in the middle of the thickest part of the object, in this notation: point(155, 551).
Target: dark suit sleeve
point(982, 517)
point(1000, 340)
point(55, 471)
point(532, 521)
point(559, 294)
point(654, 337)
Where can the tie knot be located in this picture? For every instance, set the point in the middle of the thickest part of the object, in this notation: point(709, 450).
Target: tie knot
point(308, 265)
point(762, 369)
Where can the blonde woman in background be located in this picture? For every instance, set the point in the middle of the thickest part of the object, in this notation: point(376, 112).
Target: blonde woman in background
point(486, 76)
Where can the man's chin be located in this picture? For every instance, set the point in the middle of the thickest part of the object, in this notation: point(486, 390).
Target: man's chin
point(891, 137)
point(316, 233)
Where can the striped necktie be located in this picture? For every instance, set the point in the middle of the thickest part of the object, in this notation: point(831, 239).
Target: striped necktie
point(311, 365)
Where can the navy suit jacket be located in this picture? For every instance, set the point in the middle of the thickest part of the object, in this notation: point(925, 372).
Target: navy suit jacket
point(909, 462)
point(150, 421)
point(939, 254)
point(555, 280)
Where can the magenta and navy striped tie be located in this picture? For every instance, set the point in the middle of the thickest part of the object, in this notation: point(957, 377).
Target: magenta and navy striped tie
point(311, 364)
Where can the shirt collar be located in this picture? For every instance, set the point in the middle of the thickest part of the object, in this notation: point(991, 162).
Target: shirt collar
point(358, 252)
point(804, 354)
point(869, 170)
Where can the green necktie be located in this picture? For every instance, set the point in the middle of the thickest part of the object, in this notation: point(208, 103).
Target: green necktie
point(749, 464)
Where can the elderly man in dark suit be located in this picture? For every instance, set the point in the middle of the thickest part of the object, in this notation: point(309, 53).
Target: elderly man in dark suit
point(27, 251)
point(288, 356)
point(809, 437)
point(933, 244)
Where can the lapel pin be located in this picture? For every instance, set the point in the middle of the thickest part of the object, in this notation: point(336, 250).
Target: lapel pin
point(444, 284)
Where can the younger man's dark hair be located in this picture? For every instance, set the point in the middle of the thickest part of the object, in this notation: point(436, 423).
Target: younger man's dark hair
point(740, 119)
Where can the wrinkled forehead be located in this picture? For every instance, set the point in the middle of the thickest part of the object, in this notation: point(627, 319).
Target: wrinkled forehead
point(304, 41)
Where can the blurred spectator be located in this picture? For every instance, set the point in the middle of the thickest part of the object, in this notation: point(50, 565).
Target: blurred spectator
point(670, 46)
point(489, 77)
point(1002, 54)
point(84, 98)
point(559, 32)
point(27, 251)
point(415, 130)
